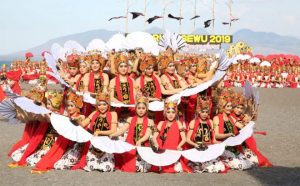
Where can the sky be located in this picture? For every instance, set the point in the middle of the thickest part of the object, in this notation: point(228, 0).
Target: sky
point(28, 23)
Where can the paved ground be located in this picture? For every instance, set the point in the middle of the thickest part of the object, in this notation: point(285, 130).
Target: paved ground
point(279, 116)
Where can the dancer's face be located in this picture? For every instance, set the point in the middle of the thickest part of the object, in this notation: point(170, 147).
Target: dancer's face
point(83, 68)
point(228, 108)
point(238, 110)
point(170, 114)
point(95, 66)
point(171, 68)
point(71, 107)
point(193, 68)
point(73, 71)
point(123, 68)
point(149, 70)
point(141, 109)
point(102, 106)
point(203, 114)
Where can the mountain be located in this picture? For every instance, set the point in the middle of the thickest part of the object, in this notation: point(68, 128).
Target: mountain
point(83, 38)
point(268, 42)
point(262, 42)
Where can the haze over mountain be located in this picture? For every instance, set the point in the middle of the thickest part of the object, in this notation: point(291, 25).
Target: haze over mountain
point(262, 42)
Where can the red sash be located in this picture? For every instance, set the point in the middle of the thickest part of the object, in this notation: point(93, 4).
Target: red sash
point(34, 142)
point(221, 124)
point(157, 86)
point(129, 158)
point(78, 82)
point(170, 79)
point(171, 142)
point(27, 135)
point(196, 125)
point(251, 144)
point(2, 95)
point(82, 162)
point(118, 90)
point(91, 87)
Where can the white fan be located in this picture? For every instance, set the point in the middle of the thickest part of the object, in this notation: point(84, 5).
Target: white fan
point(97, 45)
point(244, 134)
point(254, 60)
point(7, 109)
point(105, 144)
point(143, 40)
point(284, 74)
point(156, 106)
point(117, 42)
point(265, 63)
point(212, 152)
point(168, 157)
point(88, 98)
point(73, 47)
point(58, 52)
point(29, 106)
point(64, 127)
point(50, 60)
point(113, 104)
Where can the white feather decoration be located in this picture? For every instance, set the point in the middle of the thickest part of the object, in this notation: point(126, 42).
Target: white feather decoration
point(172, 40)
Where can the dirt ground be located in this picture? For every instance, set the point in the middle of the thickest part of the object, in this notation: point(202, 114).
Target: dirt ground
point(279, 116)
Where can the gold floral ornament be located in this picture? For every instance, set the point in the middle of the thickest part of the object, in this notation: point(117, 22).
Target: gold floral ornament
point(226, 96)
point(77, 100)
point(202, 104)
point(140, 98)
point(239, 99)
point(120, 58)
point(101, 96)
point(164, 61)
point(170, 105)
point(55, 98)
point(146, 61)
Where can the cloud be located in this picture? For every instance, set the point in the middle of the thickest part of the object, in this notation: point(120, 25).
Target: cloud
point(290, 19)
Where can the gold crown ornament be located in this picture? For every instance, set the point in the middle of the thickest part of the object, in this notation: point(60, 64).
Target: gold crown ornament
point(77, 100)
point(101, 96)
point(55, 98)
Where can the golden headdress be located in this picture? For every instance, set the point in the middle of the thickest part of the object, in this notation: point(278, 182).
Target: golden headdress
point(103, 97)
point(77, 100)
point(140, 98)
point(55, 97)
point(146, 61)
point(36, 95)
point(120, 58)
point(170, 105)
point(164, 61)
point(225, 97)
point(202, 104)
point(239, 99)
point(73, 60)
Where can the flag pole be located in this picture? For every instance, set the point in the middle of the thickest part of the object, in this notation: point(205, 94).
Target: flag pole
point(195, 13)
point(145, 11)
point(213, 17)
point(126, 22)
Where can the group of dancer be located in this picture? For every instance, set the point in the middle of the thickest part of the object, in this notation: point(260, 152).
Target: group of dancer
point(278, 73)
point(131, 78)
